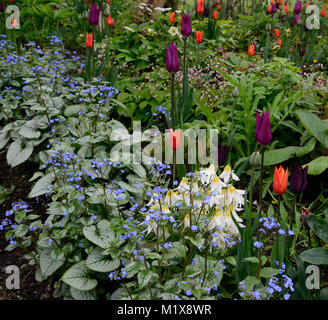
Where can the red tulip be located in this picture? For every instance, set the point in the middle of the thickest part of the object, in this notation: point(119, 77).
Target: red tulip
point(251, 50)
point(110, 22)
point(89, 40)
point(175, 139)
point(172, 17)
point(219, 7)
point(269, 9)
point(200, 6)
point(215, 15)
point(277, 32)
point(322, 12)
point(280, 180)
point(199, 36)
point(286, 8)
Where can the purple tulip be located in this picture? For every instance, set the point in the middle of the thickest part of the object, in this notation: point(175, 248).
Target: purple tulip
point(263, 133)
point(186, 28)
point(223, 152)
point(298, 7)
point(297, 19)
point(274, 9)
point(172, 58)
point(298, 179)
point(2, 7)
point(94, 15)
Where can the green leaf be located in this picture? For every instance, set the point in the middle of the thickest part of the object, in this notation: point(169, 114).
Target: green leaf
point(132, 268)
point(314, 126)
point(324, 294)
point(75, 109)
point(279, 155)
point(29, 130)
point(41, 186)
point(21, 230)
point(319, 226)
point(251, 282)
point(83, 295)
point(102, 236)
point(315, 256)
point(318, 165)
point(251, 259)
point(77, 277)
point(48, 265)
point(268, 272)
point(96, 261)
point(144, 277)
point(18, 152)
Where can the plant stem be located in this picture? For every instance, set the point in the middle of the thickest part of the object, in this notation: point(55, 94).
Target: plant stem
point(184, 76)
point(261, 181)
point(172, 102)
point(293, 218)
point(279, 199)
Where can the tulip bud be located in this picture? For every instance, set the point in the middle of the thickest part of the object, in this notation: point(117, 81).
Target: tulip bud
point(235, 92)
point(268, 27)
point(107, 11)
point(85, 14)
point(263, 133)
point(255, 159)
point(186, 27)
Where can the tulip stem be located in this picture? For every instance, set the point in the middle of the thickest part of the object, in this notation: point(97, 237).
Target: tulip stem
point(172, 102)
point(261, 181)
point(279, 199)
point(292, 218)
point(184, 78)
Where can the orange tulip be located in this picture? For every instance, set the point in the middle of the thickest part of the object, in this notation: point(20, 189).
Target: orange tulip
point(298, 39)
point(251, 50)
point(110, 22)
point(175, 139)
point(286, 8)
point(215, 14)
point(172, 17)
point(199, 36)
point(277, 32)
point(89, 40)
point(322, 12)
point(269, 9)
point(200, 6)
point(280, 42)
point(219, 7)
point(280, 180)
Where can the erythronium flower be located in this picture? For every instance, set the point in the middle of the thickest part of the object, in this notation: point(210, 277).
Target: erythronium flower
point(280, 180)
point(227, 174)
point(207, 174)
point(186, 27)
point(298, 179)
point(263, 133)
point(175, 139)
point(172, 59)
point(89, 40)
point(94, 14)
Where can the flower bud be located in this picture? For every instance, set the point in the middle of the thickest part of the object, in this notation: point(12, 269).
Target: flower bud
point(268, 27)
point(235, 92)
point(255, 159)
point(85, 14)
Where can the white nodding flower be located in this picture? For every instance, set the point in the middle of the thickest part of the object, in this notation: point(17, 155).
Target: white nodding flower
point(207, 174)
point(172, 198)
point(183, 186)
point(217, 185)
point(186, 221)
point(152, 226)
point(227, 174)
point(217, 220)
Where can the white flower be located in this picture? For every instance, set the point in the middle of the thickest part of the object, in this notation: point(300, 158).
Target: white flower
point(184, 186)
point(186, 221)
point(207, 174)
point(217, 185)
point(172, 197)
point(173, 31)
point(152, 226)
point(227, 174)
point(162, 9)
point(129, 29)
